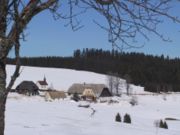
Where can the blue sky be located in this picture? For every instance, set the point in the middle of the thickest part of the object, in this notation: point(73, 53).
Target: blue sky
point(47, 37)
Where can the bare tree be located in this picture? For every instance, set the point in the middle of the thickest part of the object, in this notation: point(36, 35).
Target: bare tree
point(117, 83)
point(110, 82)
point(126, 19)
point(114, 82)
point(128, 81)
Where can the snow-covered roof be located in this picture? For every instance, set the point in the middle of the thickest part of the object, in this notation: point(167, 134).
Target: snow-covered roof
point(79, 88)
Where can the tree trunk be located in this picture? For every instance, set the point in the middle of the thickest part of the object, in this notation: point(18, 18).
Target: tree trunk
point(2, 115)
point(3, 95)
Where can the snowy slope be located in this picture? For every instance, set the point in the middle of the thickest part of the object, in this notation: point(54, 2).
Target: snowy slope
point(62, 79)
point(34, 116)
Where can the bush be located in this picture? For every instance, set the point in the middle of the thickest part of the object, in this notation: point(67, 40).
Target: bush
point(75, 97)
point(127, 118)
point(134, 101)
point(118, 118)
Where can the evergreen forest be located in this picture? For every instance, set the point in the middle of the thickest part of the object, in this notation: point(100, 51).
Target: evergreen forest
point(155, 73)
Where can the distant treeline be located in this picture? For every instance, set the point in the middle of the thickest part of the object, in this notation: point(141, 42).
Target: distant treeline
point(155, 73)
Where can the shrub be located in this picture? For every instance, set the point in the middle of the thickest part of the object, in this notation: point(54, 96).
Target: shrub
point(134, 101)
point(75, 97)
point(127, 118)
point(156, 123)
point(118, 118)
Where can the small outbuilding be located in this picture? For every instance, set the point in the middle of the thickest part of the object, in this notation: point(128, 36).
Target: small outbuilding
point(27, 88)
point(53, 95)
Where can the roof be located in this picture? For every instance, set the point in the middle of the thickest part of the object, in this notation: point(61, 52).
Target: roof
point(43, 82)
point(27, 85)
point(56, 94)
point(79, 88)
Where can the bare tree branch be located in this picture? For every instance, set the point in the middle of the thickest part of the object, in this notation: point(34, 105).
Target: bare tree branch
point(20, 22)
point(125, 21)
point(105, 2)
point(17, 48)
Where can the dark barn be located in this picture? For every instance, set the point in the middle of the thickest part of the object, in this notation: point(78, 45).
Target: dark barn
point(27, 88)
point(105, 93)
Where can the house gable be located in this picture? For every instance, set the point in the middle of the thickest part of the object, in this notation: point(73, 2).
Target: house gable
point(105, 93)
point(88, 93)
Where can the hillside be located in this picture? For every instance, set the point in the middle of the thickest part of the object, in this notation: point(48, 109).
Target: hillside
point(60, 78)
point(155, 73)
point(34, 116)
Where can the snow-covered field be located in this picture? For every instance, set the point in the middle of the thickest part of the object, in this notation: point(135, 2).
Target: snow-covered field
point(34, 116)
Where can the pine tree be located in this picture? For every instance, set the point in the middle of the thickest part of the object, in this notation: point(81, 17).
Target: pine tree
point(127, 118)
point(165, 125)
point(161, 124)
point(118, 118)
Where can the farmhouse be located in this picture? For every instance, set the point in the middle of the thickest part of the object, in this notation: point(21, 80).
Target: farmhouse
point(27, 88)
point(42, 84)
point(88, 93)
point(53, 95)
point(92, 91)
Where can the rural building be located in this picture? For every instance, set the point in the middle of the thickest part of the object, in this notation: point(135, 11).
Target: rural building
point(42, 84)
point(90, 90)
point(27, 88)
point(88, 94)
point(53, 95)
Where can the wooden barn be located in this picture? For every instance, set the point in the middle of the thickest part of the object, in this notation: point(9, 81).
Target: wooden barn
point(27, 88)
point(53, 95)
point(92, 91)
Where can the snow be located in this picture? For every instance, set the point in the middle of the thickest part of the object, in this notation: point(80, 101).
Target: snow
point(34, 116)
point(62, 79)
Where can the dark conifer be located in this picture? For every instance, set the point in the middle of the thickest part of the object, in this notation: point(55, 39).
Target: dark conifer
point(165, 125)
point(154, 73)
point(161, 124)
point(127, 118)
point(118, 118)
